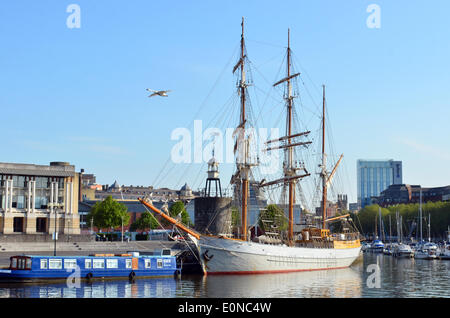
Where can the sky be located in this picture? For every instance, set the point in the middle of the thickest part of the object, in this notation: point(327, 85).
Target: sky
point(78, 94)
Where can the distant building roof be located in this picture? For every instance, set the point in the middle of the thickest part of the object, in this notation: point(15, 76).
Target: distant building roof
point(185, 188)
point(55, 169)
point(405, 193)
point(115, 185)
point(84, 206)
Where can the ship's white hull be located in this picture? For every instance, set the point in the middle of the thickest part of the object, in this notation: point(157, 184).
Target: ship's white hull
point(224, 256)
point(403, 251)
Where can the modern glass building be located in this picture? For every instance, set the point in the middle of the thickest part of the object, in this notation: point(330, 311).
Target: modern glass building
point(374, 176)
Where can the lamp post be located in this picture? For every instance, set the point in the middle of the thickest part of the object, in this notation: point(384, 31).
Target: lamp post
point(55, 233)
point(70, 225)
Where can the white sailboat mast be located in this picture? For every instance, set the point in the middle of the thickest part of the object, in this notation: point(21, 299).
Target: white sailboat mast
point(420, 215)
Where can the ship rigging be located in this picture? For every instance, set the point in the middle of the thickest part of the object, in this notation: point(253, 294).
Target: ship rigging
point(314, 248)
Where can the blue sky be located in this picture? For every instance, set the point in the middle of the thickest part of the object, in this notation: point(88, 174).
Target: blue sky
point(78, 95)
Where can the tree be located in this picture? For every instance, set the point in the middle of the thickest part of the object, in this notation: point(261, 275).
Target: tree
point(145, 221)
point(439, 212)
point(177, 209)
point(108, 214)
point(367, 217)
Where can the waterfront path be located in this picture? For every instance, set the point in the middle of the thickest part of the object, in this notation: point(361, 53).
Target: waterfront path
point(83, 248)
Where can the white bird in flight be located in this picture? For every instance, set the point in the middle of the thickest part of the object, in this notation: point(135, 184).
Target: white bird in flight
point(159, 93)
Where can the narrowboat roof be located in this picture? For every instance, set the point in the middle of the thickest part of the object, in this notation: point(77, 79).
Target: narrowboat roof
point(92, 256)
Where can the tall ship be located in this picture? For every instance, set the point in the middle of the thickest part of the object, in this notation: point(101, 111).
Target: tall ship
point(311, 248)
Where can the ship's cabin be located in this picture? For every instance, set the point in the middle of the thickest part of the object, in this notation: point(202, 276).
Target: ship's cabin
point(20, 262)
point(313, 233)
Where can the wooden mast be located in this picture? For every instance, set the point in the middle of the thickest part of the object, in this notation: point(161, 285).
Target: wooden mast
point(290, 171)
point(326, 178)
point(324, 165)
point(242, 84)
point(244, 168)
point(173, 221)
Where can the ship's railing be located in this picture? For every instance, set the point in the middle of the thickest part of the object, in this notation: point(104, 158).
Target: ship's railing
point(315, 243)
point(346, 236)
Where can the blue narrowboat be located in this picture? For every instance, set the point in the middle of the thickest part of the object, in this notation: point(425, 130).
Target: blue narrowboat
point(32, 268)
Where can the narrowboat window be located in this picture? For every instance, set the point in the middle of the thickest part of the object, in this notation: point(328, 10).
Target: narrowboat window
point(112, 263)
point(20, 263)
point(87, 263)
point(159, 263)
point(167, 262)
point(128, 263)
point(148, 263)
point(13, 262)
point(98, 263)
point(44, 263)
point(70, 263)
point(55, 263)
point(28, 263)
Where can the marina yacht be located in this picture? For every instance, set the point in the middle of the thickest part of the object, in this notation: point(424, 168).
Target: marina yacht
point(365, 246)
point(389, 249)
point(426, 251)
point(403, 250)
point(444, 252)
point(377, 246)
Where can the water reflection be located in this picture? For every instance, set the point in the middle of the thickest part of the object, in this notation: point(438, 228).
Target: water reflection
point(332, 283)
point(403, 277)
point(398, 278)
point(148, 288)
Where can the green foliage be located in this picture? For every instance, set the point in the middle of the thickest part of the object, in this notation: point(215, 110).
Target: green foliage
point(275, 214)
point(368, 215)
point(145, 221)
point(438, 211)
point(235, 216)
point(178, 209)
point(108, 214)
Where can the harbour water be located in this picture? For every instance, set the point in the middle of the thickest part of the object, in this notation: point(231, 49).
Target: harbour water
point(398, 278)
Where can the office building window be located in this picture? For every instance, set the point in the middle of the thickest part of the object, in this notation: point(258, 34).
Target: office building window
point(41, 225)
point(18, 224)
